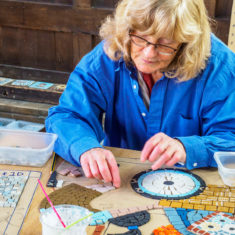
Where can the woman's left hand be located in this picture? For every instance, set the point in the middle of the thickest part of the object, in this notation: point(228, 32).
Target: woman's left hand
point(163, 150)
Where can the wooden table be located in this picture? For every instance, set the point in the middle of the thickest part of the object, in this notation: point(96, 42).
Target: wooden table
point(113, 200)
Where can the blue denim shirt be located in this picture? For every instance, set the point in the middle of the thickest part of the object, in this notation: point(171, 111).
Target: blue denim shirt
point(199, 112)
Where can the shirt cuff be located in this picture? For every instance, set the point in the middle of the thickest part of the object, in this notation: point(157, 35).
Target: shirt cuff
point(196, 152)
point(83, 145)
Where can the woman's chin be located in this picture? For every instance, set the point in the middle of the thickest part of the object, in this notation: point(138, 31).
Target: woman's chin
point(145, 70)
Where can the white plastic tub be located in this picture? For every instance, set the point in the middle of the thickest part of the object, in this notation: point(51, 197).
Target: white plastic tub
point(69, 214)
point(226, 166)
point(28, 148)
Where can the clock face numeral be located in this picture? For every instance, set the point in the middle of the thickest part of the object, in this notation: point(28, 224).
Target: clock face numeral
point(167, 183)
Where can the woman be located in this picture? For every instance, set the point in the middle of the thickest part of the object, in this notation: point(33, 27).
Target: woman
point(165, 84)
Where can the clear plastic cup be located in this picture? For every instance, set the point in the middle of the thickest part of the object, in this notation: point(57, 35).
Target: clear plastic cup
point(51, 225)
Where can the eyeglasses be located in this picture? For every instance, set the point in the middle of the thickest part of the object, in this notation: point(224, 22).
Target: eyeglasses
point(161, 49)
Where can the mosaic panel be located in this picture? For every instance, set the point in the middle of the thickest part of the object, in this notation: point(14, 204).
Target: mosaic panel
point(11, 186)
point(182, 218)
point(213, 198)
point(167, 183)
point(215, 223)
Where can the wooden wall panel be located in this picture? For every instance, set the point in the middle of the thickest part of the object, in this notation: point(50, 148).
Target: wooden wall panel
point(10, 44)
point(85, 44)
point(65, 19)
point(11, 13)
point(28, 48)
point(1, 41)
point(96, 40)
point(46, 55)
point(23, 110)
point(104, 3)
point(76, 49)
point(54, 35)
point(43, 40)
point(64, 2)
point(82, 44)
point(82, 3)
point(222, 28)
point(64, 51)
point(43, 75)
point(49, 96)
point(18, 46)
point(223, 8)
point(211, 6)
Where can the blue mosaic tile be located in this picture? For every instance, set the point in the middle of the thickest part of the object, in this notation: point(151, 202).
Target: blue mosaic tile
point(100, 217)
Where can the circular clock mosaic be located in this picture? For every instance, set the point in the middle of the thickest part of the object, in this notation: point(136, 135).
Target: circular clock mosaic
point(168, 184)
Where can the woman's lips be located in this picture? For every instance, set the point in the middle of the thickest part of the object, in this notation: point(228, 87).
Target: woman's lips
point(149, 61)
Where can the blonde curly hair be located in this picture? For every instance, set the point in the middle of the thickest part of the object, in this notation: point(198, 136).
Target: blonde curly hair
point(184, 21)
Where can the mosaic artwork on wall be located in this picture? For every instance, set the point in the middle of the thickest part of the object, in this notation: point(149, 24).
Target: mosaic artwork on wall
point(4, 81)
point(168, 184)
point(59, 87)
point(22, 83)
point(41, 85)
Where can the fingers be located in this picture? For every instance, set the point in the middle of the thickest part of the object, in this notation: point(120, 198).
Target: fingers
point(149, 146)
point(101, 164)
point(114, 171)
point(158, 150)
point(85, 166)
point(95, 168)
point(173, 160)
point(163, 150)
point(164, 157)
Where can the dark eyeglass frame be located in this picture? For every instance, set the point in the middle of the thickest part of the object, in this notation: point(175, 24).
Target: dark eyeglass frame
point(150, 43)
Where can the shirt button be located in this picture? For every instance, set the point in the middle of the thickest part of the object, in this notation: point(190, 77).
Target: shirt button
point(144, 114)
point(195, 164)
point(134, 86)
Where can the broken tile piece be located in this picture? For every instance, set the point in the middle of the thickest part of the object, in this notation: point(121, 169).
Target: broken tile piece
point(74, 172)
point(102, 188)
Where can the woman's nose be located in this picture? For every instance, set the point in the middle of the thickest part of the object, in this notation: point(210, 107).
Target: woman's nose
point(150, 51)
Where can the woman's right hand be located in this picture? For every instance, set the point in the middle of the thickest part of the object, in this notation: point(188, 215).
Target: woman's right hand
point(100, 163)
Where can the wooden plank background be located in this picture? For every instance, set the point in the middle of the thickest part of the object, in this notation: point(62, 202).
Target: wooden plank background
point(54, 34)
point(43, 40)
